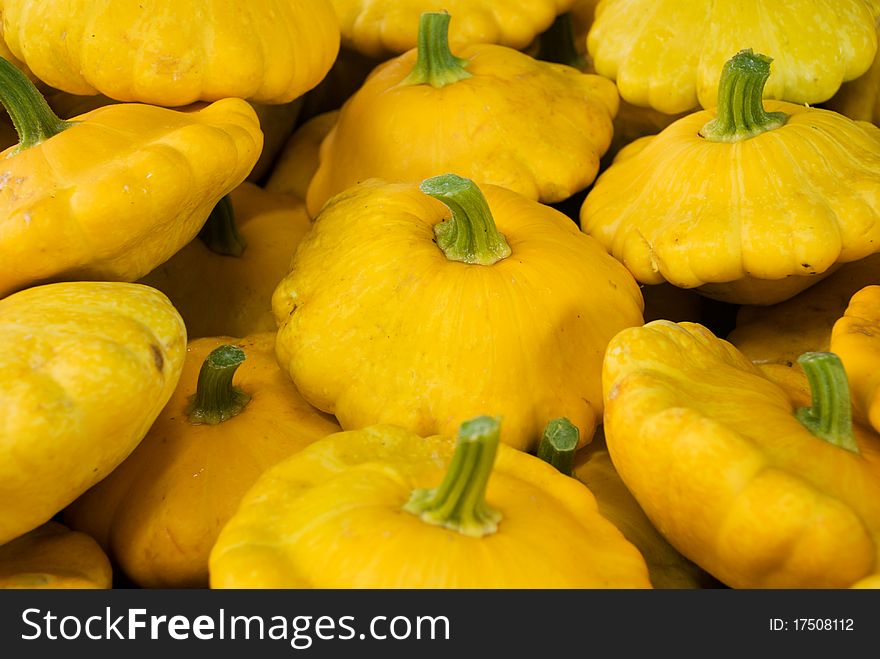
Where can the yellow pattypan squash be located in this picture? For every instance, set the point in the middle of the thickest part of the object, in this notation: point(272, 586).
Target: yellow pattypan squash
point(173, 53)
point(488, 112)
point(53, 556)
point(159, 513)
point(382, 27)
point(420, 312)
point(668, 54)
point(112, 193)
point(372, 508)
point(86, 368)
point(222, 282)
point(856, 340)
point(745, 205)
point(561, 44)
point(741, 475)
point(593, 467)
point(298, 161)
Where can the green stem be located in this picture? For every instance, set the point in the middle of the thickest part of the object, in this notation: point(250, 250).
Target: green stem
point(216, 400)
point(435, 64)
point(459, 503)
point(558, 444)
point(740, 113)
point(830, 417)
point(220, 233)
point(557, 44)
point(470, 235)
point(32, 117)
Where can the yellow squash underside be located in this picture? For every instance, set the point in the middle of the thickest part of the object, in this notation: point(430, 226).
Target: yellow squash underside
point(175, 53)
point(120, 191)
point(86, 368)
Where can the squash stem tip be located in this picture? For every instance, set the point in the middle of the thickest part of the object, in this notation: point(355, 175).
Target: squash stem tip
point(830, 416)
point(470, 236)
point(459, 502)
point(435, 64)
point(31, 115)
point(558, 444)
point(216, 399)
point(740, 113)
point(220, 233)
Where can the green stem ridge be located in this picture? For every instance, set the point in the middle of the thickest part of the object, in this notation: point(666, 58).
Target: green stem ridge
point(740, 113)
point(216, 399)
point(220, 233)
point(31, 115)
point(558, 444)
point(435, 64)
point(830, 416)
point(471, 235)
point(557, 44)
point(459, 502)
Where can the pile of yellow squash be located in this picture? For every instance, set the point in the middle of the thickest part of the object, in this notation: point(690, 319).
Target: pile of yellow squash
point(421, 294)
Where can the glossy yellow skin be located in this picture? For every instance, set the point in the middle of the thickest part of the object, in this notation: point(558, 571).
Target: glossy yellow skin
point(712, 451)
point(376, 325)
point(383, 27)
point(774, 337)
point(276, 122)
point(159, 513)
point(53, 556)
point(86, 367)
point(330, 517)
point(298, 161)
point(751, 222)
point(667, 568)
point(855, 340)
point(175, 53)
point(668, 54)
point(120, 191)
point(533, 127)
point(272, 225)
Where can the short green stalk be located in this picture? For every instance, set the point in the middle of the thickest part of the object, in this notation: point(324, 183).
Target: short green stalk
point(220, 233)
point(740, 113)
point(216, 399)
point(558, 444)
point(435, 64)
point(32, 117)
point(470, 236)
point(459, 502)
point(830, 416)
